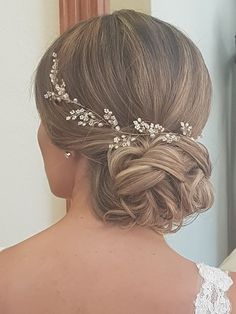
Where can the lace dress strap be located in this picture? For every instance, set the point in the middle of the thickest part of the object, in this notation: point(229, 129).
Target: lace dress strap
point(212, 298)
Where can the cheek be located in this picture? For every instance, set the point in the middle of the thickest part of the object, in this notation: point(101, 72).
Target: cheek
point(39, 137)
point(61, 176)
point(59, 170)
point(43, 141)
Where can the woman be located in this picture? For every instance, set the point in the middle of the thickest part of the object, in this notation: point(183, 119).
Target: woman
point(122, 100)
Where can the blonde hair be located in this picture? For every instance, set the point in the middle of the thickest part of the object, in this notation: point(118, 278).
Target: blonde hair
point(137, 66)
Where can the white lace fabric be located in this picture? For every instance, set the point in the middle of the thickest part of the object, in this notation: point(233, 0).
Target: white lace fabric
point(212, 298)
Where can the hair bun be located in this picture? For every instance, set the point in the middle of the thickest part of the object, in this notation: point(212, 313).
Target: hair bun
point(159, 184)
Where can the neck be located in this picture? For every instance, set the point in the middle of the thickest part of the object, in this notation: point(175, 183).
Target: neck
point(80, 217)
point(80, 214)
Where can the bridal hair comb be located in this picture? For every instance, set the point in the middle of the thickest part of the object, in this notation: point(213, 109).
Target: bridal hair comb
point(87, 117)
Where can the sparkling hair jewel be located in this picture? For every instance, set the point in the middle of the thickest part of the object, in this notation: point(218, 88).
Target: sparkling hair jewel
point(88, 118)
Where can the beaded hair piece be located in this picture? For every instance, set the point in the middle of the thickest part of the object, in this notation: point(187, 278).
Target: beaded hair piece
point(88, 118)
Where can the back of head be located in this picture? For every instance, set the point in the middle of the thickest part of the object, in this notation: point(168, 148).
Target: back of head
point(137, 66)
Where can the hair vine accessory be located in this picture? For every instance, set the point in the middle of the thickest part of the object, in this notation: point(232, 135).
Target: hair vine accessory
point(186, 129)
point(143, 127)
point(87, 117)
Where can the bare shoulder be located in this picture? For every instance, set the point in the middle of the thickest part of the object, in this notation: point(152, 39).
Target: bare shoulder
point(21, 266)
point(9, 262)
point(232, 292)
point(12, 258)
point(25, 255)
point(9, 259)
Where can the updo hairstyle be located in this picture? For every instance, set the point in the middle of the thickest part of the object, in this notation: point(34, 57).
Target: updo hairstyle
point(137, 66)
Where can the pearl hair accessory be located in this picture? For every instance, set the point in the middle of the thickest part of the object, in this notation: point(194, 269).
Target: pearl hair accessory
point(87, 117)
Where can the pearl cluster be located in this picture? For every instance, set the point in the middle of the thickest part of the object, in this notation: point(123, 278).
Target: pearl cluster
point(87, 117)
point(170, 137)
point(108, 116)
point(60, 93)
point(151, 129)
point(122, 141)
point(186, 129)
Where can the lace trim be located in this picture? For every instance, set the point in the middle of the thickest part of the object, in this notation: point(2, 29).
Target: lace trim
point(212, 298)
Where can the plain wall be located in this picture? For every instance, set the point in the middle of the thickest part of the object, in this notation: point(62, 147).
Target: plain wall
point(140, 5)
point(211, 25)
point(27, 28)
